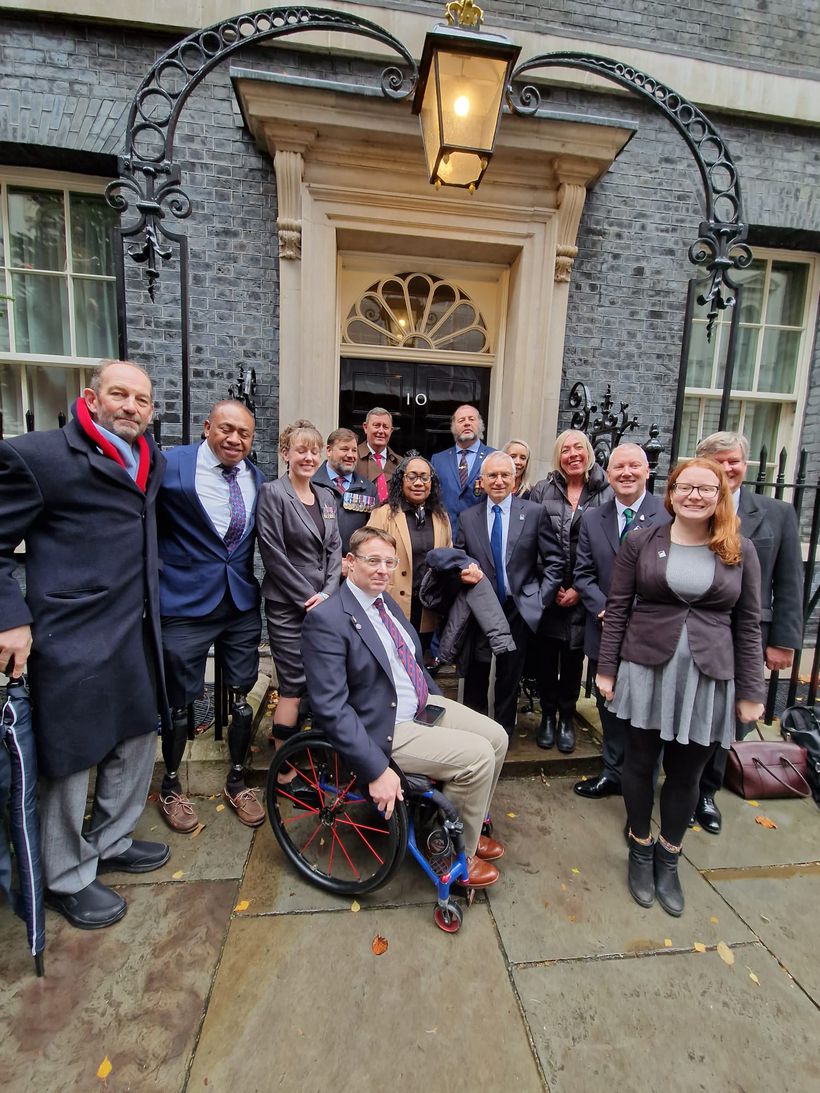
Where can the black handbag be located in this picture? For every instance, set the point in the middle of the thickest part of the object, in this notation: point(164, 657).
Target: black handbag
point(800, 725)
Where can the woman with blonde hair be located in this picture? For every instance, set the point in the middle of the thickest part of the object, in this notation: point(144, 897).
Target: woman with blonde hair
point(520, 452)
point(557, 653)
point(302, 555)
point(680, 658)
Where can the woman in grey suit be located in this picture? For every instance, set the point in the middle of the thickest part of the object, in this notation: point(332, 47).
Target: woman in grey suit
point(302, 555)
point(682, 633)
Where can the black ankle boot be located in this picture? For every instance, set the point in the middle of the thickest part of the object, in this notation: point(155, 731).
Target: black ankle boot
point(566, 733)
point(545, 737)
point(641, 877)
point(667, 882)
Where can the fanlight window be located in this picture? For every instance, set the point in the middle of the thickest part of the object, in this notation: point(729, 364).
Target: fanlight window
point(417, 311)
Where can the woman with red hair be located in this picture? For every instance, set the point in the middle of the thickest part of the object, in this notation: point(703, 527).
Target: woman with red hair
point(680, 657)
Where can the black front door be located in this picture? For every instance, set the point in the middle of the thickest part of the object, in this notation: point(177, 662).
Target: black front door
point(421, 397)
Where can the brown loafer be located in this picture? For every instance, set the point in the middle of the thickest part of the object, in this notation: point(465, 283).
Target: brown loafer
point(246, 806)
point(489, 849)
point(178, 813)
point(481, 874)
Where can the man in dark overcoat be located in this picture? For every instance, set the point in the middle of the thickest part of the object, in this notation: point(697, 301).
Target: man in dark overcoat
point(83, 499)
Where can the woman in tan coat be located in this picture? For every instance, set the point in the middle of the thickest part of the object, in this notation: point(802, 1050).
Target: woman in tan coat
point(416, 518)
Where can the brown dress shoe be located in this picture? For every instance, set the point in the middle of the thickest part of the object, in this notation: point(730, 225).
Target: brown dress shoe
point(480, 874)
point(246, 806)
point(489, 849)
point(178, 813)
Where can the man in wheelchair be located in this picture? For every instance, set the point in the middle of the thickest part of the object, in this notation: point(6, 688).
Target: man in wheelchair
point(370, 695)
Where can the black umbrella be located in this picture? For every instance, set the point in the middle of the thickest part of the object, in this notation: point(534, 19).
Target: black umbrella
point(18, 790)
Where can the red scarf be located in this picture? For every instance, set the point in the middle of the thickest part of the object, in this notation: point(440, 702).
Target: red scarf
point(89, 427)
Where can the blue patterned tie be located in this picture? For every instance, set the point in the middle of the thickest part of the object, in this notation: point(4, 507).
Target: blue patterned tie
point(406, 655)
point(236, 526)
point(496, 544)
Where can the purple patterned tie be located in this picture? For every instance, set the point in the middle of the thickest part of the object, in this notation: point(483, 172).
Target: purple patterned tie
point(406, 656)
point(463, 470)
point(340, 483)
point(236, 526)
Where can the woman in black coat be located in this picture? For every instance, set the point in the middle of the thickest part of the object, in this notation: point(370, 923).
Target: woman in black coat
point(557, 654)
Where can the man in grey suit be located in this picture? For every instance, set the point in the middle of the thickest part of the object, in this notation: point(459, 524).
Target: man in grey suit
point(772, 527)
point(513, 542)
point(602, 531)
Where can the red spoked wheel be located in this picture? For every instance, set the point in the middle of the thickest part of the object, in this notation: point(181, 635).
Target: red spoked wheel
point(448, 918)
point(326, 826)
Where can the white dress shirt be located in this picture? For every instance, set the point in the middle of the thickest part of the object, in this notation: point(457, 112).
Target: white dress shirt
point(212, 489)
point(407, 701)
point(621, 509)
point(505, 507)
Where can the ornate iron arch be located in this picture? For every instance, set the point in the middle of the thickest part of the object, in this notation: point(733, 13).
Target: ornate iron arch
point(720, 246)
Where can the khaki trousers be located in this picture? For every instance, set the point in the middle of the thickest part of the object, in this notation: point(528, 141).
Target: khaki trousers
point(465, 751)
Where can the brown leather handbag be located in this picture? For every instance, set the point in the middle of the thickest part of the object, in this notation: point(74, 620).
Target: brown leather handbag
point(767, 768)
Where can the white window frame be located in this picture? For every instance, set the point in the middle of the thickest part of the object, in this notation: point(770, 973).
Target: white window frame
point(64, 183)
point(791, 421)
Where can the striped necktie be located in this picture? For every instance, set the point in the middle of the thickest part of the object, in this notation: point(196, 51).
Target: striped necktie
point(463, 470)
point(629, 516)
point(406, 655)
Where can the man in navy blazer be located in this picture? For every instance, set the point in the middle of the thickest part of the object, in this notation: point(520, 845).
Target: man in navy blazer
point(209, 596)
point(601, 534)
point(459, 468)
point(532, 564)
point(356, 496)
point(367, 682)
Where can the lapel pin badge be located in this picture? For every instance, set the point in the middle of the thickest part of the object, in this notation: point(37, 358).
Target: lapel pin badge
point(661, 553)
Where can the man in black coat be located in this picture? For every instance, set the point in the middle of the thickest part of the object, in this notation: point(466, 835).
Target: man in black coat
point(514, 544)
point(772, 527)
point(354, 494)
point(83, 499)
point(602, 531)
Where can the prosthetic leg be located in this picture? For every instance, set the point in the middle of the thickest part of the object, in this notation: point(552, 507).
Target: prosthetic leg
point(241, 799)
point(176, 809)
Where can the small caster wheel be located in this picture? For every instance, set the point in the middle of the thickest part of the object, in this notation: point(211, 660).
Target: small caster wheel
point(448, 918)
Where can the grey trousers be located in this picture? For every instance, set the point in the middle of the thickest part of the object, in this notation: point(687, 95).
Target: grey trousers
point(465, 751)
point(70, 856)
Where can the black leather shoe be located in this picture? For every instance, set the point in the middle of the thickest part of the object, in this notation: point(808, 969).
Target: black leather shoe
point(299, 793)
point(565, 735)
point(92, 908)
point(601, 787)
point(708, 815)
point(140, 857)
point(545, 737)
point(641, 873)
point(667, 883)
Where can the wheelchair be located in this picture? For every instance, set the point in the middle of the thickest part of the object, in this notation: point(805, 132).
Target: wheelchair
point(336, 839)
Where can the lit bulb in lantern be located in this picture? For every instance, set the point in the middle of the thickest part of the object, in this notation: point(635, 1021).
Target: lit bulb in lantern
point(461, 106)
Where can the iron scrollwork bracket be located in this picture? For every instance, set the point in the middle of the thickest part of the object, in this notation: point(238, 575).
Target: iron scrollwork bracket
point(149, 177)
point(720, 246)
point(605, 429)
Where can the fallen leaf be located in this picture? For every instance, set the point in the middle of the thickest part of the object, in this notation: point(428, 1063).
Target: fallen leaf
point(584, 777)
point(512, 815)
point(544, 778)
point(213, 796)
point(572, 918)
point(355, 906)
point(764, 821)
point(220, 808)
point(754, 978)
point(154, 827)
point(379, 945)
point(697, 827)
point(180, 873)
point(433, 1029)
point(699, 947)
point(104, 1069)
point(563, 887)
point(243, 905)
point(764, 919)
point(575, 871)
point(714, 920)
point(725, 953)
point(197, 830)
point(151, 797)
point(754, 804)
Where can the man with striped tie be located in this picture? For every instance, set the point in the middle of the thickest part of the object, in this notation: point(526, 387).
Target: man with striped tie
point(377, 461)
point(367, 683)
point(209, 596)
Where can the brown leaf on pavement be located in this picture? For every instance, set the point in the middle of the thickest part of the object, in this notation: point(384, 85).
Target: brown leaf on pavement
point(379, 945)
point(725, 953)
point(764, 821)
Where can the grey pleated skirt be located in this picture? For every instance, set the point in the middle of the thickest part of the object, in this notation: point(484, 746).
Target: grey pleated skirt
point(285, 636)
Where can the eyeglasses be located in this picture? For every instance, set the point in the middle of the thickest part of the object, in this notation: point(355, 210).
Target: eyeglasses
point(706, 492)
point(413, 477)
point(373, 561)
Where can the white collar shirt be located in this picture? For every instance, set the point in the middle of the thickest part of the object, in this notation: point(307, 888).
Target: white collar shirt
point(213, 493)
point(621, 508)
point(407, 701)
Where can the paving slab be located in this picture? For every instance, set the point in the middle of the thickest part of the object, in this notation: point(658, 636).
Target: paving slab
point(219, 852)
point(319, 1011)
point(678, 1023)
point(782, 911)
point(563, 887)
point(743, 842)
point(134, 993)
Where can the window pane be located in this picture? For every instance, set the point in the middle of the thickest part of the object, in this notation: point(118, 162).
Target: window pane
point(11, 401)
point(787, 294)
point(36, 230)
point(778, 365)
point(711, 416)
point(40, 314)
point(744, 373)
point(4, 324)
point(751, 295)
point(689, 427)
point(50, 392)
point(760, 425)
point(701, 354)
point(91, 223)
point(95, 318)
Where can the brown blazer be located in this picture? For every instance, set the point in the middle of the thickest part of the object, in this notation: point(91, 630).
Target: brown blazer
point(401, 586)
point(368, 468)
point(644, 617)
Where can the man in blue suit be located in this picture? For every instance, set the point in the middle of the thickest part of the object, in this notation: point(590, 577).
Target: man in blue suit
point(602, 531)
point(210, 596)
point(459, 468)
